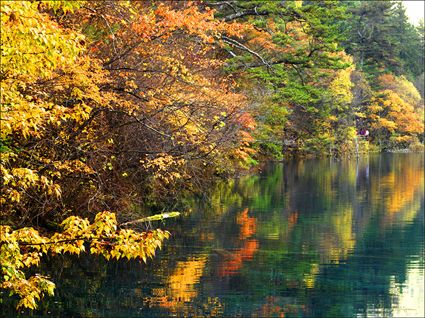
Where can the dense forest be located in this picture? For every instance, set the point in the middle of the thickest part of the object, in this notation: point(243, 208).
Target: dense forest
point(117, 105)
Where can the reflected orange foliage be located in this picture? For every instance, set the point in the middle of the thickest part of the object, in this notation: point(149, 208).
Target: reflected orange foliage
point(404, 188)
point(272, 309)
point(248, 224)
point(234, 261)
point(181, 284)
point(292, 219)
point(234, 264)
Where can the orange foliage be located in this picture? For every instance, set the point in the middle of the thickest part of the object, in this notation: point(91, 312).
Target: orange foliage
point(181, 284)
point(292, 219)
point(271, 309)
point(404, 188)
point(391, 112)
point(234, 261)
point(388, 81)
point(248, 225)
point(400, 85)
point(167, 85)
point(396, 110)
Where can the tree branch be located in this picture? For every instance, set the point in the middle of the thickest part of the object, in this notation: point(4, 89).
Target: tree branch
point(245, 48)
point(245, 13)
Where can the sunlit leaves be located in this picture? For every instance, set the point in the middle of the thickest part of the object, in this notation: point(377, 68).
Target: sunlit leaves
point(395, 114)
point(173, 92)
point(32, 43)
point(340, 88)
point(23, 248)
point(48, 90)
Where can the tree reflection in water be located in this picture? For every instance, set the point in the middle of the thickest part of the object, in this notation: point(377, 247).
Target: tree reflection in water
point(313, 238)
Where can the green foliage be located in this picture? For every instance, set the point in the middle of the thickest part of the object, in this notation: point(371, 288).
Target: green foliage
point(381, 39)
point(292, 49)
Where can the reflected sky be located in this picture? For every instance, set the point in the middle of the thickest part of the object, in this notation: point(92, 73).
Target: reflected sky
point(313, 238)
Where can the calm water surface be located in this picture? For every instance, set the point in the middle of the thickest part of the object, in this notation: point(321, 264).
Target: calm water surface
point(314, 238)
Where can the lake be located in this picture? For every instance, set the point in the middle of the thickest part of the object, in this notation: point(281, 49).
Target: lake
point(311, 238)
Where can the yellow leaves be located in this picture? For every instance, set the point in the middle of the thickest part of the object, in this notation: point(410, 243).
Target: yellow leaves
point(32, 290)
point(17, 180)
point(64, 5)
point(34, 47)
point(175, 67)
point(12, 259)
point(14, 196)
point(131, 84)
point(333, 118)
point(27, 34)
point(23, 178)
point(298, 3)
point(30, 259)
point(340, 87)
point(401, 86)
point(105, 223)
point(165, 167)
point(21, 116)
point(375, 108)
point(77, 93)
point(385, 123)
point(127, 243)
point(69, 166)
point(23, 248)
point(54, 112)
point(392, 112)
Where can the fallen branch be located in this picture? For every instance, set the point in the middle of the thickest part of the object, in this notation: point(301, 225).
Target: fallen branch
point(156, 217)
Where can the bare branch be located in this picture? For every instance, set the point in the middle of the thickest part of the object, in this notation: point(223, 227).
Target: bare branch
point(245, 48)
point(245, 13)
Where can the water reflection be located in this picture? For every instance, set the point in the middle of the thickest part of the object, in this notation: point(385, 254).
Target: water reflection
point(313, 238)
point(181, 285)
point(232, 261)
point(408, 298)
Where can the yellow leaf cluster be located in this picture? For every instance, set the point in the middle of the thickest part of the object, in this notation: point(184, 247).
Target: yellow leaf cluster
point(23, 248)
point(392, 112)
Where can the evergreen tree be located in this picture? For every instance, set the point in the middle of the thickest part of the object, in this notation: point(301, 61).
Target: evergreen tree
point(370, 39)
point(293, 51)
point(409, 40)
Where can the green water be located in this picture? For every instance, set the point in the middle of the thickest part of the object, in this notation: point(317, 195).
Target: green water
point(314, 238)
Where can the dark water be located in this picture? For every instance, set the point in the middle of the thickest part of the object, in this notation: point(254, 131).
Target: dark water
point(314, 238)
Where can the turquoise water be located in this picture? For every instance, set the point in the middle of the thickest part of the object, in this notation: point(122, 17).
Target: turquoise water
point(313, 238)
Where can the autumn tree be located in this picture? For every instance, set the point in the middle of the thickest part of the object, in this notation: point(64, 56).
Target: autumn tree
point(48, 92)
point(60, 109)
point(139, 106)
point(388, 53)
point(395, 113)
point(176, 116)
point(107, 106)
point(125, 105)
